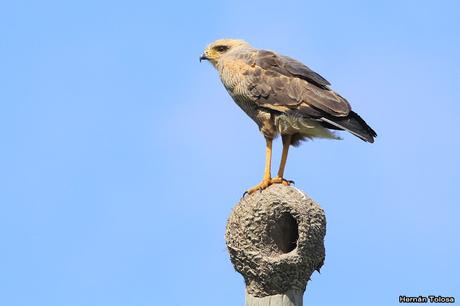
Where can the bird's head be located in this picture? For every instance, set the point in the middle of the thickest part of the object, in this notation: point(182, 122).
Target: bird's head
point(215, 50)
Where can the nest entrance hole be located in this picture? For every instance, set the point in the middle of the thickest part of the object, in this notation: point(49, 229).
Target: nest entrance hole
point(285, 232)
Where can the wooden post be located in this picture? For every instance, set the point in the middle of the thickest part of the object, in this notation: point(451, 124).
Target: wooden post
point(276, 241)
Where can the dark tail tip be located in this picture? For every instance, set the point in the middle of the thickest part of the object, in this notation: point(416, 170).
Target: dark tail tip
point(352, 123)
point(360, 127)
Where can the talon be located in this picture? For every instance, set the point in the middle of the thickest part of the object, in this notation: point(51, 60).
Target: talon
point(261, 186)
point(280, 180)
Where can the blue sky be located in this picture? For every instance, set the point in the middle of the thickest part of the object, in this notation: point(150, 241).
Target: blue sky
point(122, 156)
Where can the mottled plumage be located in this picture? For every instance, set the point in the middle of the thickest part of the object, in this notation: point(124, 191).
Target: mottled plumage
point(282, 95)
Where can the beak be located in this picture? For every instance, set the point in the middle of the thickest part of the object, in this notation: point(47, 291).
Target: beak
point(203, 57)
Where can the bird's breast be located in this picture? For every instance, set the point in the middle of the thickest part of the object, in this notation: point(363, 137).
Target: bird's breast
point(232, 73)
point(244, 102)
point(234, 76)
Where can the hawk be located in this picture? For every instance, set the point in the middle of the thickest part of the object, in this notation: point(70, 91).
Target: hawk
point(284, 97)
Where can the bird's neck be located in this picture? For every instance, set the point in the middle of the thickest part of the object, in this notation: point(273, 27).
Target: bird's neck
point(230, 72)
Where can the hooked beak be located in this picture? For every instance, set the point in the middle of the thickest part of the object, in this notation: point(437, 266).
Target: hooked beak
point(203, 57)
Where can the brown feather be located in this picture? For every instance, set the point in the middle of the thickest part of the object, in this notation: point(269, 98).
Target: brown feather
point(283, 96)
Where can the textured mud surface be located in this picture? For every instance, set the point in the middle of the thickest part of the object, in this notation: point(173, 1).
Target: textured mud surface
point(276, 240)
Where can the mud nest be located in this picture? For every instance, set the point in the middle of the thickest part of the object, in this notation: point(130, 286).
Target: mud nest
point(276, 240)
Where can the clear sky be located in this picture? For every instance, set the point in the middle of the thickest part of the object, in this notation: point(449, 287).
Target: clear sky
point(122, 156)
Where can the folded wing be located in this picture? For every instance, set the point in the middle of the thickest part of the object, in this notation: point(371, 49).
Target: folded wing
point(283, 84)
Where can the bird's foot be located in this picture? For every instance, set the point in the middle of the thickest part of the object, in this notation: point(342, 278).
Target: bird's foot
point(267, 182)
point(261, 186)
point(280, 180)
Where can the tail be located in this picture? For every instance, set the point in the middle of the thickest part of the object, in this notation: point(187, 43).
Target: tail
point(352, 123)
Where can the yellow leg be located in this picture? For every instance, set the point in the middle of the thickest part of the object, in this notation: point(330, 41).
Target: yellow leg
point(279, 178)
point(267, 175)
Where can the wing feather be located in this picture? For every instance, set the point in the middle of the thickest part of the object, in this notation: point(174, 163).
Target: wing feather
point(289, 67)
point(280, 80)
point(282, 84)
point(271, 88)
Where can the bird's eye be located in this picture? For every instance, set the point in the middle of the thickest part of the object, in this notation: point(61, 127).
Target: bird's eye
point(221, 48)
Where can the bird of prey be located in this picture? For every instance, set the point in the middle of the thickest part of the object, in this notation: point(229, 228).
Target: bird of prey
point(284, 97)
